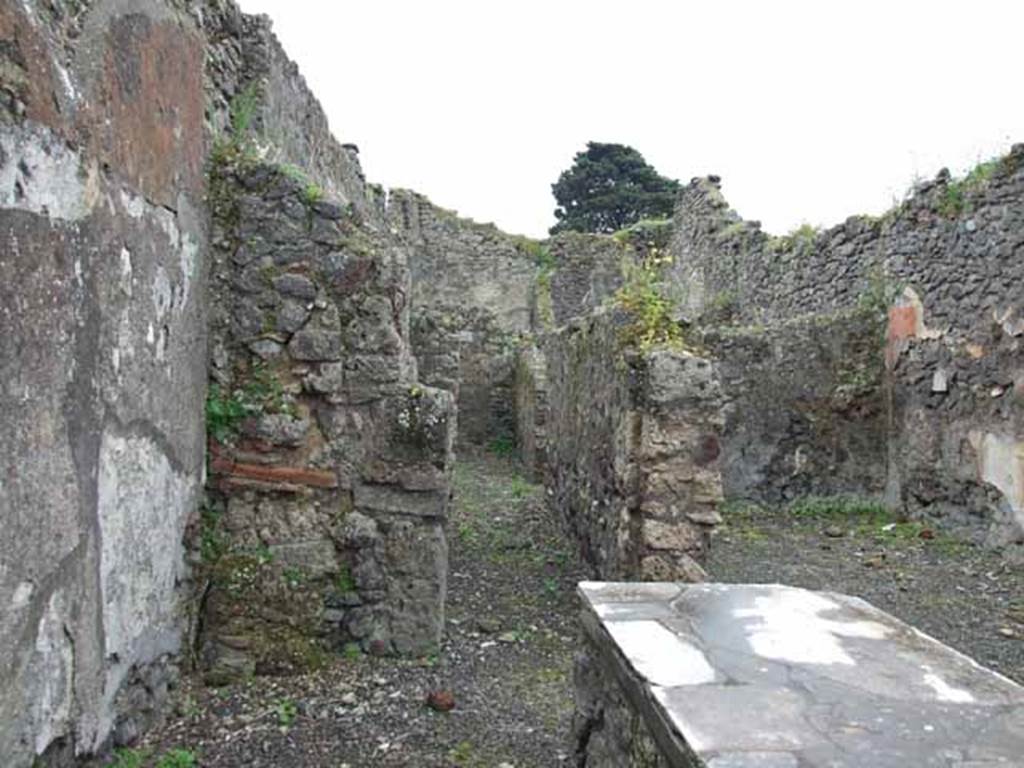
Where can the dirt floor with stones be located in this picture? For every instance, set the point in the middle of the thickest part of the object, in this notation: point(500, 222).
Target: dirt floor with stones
point(511, 636)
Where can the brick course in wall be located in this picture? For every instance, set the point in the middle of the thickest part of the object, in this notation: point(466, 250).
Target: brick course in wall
point(332, 488)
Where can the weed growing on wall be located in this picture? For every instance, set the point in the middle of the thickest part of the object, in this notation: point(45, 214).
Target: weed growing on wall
point(224, 412)
point(799, 239)
point(649, 231)
point(880, 293)
point(311, 191)
point(954, 199)
point(644, 297)
point(344, 582)
point(243, 111)
point(238, 144)
point(261, 392)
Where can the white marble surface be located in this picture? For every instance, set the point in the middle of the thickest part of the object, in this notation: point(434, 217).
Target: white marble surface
point(774, 676)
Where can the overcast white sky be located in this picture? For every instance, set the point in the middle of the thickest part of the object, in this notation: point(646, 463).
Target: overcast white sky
point(810, 111)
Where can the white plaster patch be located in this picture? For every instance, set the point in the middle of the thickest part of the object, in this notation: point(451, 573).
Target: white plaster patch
point(161, 345)
point(944, 691)
point(143, 504)
point(126, 272)
point(52, 675)
point(125, 347)
point(921, 331)
point(660, 655)
point(134, 205)
point(68, 83)
point(187, 255)
point(161, 293)
point(22, 595)
point(791, 628)
point(1012, 324)
point(1001, 463)
point(42, 175)
point(183, 244)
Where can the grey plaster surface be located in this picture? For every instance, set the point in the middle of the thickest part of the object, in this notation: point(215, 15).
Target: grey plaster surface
point(775, 676)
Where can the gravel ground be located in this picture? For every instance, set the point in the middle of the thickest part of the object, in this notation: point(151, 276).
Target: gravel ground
point(507, 656)
point(506, 660)
point(965, 596)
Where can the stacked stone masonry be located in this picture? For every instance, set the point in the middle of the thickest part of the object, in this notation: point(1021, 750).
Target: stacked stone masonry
point(804, 411)
point(330, 497)
point(633, 452)
point(472, 293)
point(338, 331)
point(946, 265)
point(108, 114)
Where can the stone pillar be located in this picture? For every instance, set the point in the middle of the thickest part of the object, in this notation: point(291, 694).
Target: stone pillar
point(633, 452)
point(330, 463)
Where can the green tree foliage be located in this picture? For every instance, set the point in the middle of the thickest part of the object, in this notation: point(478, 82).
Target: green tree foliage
point(608, 187)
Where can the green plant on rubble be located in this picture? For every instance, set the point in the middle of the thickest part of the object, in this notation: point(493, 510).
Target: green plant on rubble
point(840, 507)
point(294, 576)
point(953, 200)
point(243, 111)
point(212, 540)
point(801, 238)
point(503, 446)
point(236, 145)
point(880, 293)
point(645, 230)
point(534, 249)
point(286, 711)
point(352, 652)
point(519, 488)
point(311, 191)
point(224, 411)
point(177, 758)
point(344, 582)
point(643, 296)
point(260, 392)
point(129, 758)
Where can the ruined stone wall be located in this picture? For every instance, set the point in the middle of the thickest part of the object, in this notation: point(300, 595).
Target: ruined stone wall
point(253, 85)
point(531, 410)
point(805, 407)
point(633, 447)
point(330, 482)
point(108, 111)
point(947, 264)
point(587, 269)
point(472, 293)
point(102, 364)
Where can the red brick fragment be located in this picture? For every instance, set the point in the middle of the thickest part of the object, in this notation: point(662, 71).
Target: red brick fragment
point(317, 478)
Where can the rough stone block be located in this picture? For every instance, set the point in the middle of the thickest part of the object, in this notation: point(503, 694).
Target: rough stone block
point(387, 499)
point(315, 345)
